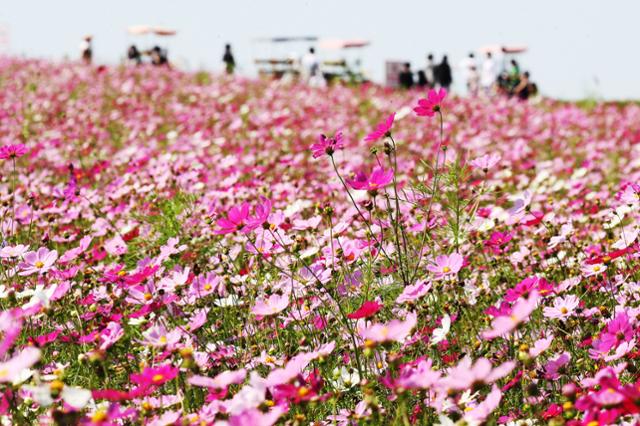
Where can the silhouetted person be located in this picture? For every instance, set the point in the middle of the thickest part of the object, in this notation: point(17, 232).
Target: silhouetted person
point(489, 73)
point(443, 73)
point(524, 88)
point(228, 59)
point(430, 71)
point(133, 55)
point(86, 50)
point(422, 79)
point(406, 77)
point(159, 56)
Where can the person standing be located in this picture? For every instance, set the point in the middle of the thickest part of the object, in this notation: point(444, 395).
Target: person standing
point(489, 73)
point(311, 69)
point(469, 71)
point(406, 77)
point(133, 55)
point(228, 59)
point(443, 74)
point(430, 71)
point(86, 50)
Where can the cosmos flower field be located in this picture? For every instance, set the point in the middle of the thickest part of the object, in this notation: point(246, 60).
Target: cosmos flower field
point(192, 249)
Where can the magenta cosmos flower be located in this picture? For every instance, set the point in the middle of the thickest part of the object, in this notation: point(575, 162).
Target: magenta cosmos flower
point(12, 151)
point(427, 107)
point(326, 145)
point(379, 178)
point(383, 129)
point(503, 325)
point(38, 262)
point(238, 218)
point(446, 266)
point(155, 376)
point(271, 306)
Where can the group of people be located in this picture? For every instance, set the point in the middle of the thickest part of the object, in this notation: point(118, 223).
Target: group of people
point(433, 76)
point(489, 77)
point(157, 55)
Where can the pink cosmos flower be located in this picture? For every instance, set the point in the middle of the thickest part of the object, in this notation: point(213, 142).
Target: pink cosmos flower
point(590, 270)
point(155, 376)
point(327, 146)
point(554, 365)
point(38, 262)
point(563, 307)
point(466, 374)
point(413, 292)
point(12, 151)
point(238, 218)
point(274, 304)
point(379, 178)
point(221, 381)
point(368, 309)
point(13, 251)
point(520, 312)
point(485, 162)
point(431, 104)
point(11, 369)
point(395, 330)
point(382, 130)
point(446, 266)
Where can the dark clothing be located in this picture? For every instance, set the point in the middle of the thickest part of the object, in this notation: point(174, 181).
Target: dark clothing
point(406, 79)
point(133, 54)
point(422, 79)
point(443, 75)
point(229, 61)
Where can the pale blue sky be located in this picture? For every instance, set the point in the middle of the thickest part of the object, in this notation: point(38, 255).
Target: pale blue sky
point(577, 47)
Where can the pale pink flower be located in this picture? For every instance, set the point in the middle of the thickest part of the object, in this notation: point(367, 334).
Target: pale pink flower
point(563, 307)
point(446, 266)
point(395, 330)
point(13, 251)
point(221, 381)
point(485, 162)
point(274, 304)
point(38, 262)
point(11, 369)
point(590, 270)
point(467, 374)
point(414, 292)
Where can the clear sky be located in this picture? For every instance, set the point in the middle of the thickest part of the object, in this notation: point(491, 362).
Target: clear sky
point(577, 48)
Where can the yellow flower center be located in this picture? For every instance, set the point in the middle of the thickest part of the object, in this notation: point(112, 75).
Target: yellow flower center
point(157, 378)
point(207, 287)
point(121, 273)
point(596, 268)
point(163, 340)
point(564, 310)
point(148, 296)
point(303, 391)
point(39, 264)
point(446, 269)
point(99, 416)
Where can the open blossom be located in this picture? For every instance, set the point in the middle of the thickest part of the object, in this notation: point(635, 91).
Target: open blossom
point(12, 151)
point(563, 307)
point(274, 304)
point(155, 376)
point(431, 104)
point(485, 162)
point(382, 129)
point(11, 369)
point(446, 266)
point(589, 270)
point(368, 309)
point(239, 218)
point(221, 381)
point(505, 324)
point(379, 178)
point(414, 292)
point(327, 145)
point(395, 330)
point(13, 251)
point(467, 374)
point(38, 262)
